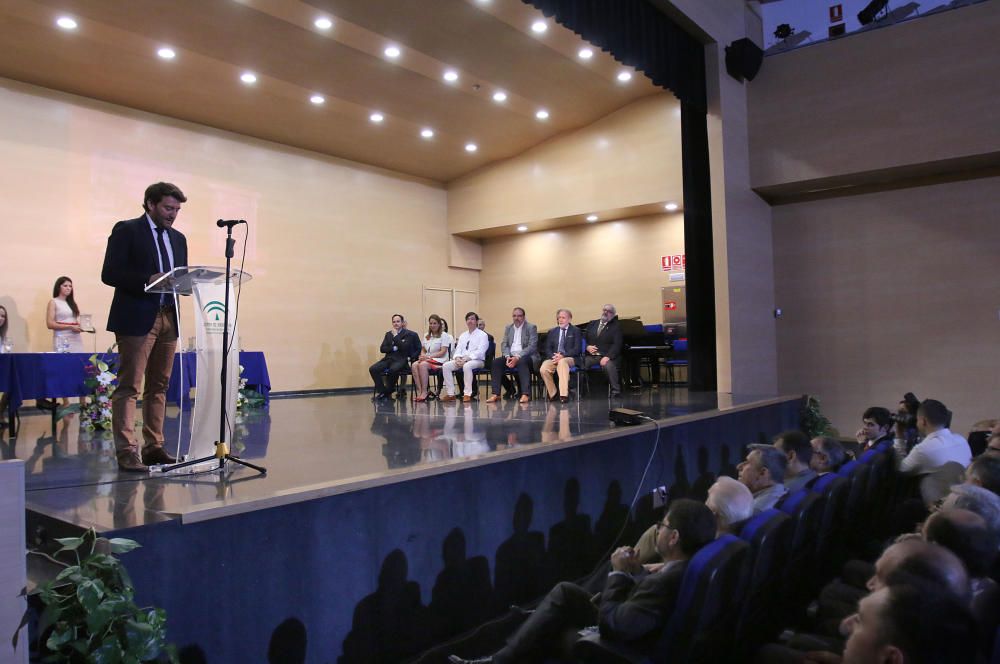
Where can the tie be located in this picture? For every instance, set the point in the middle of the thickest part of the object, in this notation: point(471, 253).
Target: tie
point(562, 341)
point(600, 328)
point(164, 258)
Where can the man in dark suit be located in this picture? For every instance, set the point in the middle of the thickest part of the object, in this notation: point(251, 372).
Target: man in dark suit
point(401, 346)
point(145, 325)
point(637, 600)
point(604, 345)
point(563, 348)
point(519, 352)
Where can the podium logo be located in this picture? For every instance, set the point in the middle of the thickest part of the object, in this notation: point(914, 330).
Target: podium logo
point(214, 310)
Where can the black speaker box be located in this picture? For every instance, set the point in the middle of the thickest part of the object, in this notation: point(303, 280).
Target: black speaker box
point(743, 59)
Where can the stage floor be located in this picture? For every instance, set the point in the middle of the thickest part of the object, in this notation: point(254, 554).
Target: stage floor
point(317, 446)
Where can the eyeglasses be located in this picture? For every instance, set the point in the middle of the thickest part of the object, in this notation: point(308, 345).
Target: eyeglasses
point(664, 525)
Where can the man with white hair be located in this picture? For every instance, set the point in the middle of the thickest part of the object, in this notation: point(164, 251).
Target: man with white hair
point(604, 345)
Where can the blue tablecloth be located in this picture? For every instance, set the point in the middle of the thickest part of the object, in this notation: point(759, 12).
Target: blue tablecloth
point(26, 376)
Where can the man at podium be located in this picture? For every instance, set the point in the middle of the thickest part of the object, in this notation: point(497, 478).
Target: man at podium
point(145, 324)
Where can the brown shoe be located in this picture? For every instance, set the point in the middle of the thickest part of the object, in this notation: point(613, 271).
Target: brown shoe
point(448, 397)
point(524, 398)
point(466, 399)
point(129, 462)
point(154, 454)
point(493, 399)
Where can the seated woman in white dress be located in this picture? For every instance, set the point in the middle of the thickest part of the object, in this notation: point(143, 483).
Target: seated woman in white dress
point(436, 347)
point(63, 318)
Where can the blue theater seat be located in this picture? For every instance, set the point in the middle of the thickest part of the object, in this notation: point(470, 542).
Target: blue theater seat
point(769, 536)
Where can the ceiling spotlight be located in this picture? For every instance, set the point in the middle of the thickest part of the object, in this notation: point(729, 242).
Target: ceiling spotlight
point(427, 133)
point(248, 77)
point(471, 147)
point(499, 96)
point(585, 54)
point(591, 218)
point(317, 99)
point(166, 53)
point(323, 23)
point(539, 27)
point(376, 117)
point(391, 51)
point(451, 76)
point(671, 206)
point(542, 114)
point(624, 76)
point(66, 23)
point(522, 228)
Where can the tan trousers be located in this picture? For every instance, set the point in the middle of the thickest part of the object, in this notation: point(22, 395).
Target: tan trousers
point(548, 368)
point(150, 356)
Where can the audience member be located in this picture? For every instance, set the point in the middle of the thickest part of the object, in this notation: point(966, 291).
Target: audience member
point(938, 446)
point(562, 350)
point(968, 536)
point(3, 329)
point(62, 316)
point(876, 427)
point(400, 347)
point(635, 603)
point(976, 499)
point(436, 346)
point(993, 444)
point(828, 455)
point(984, 471)
point(470, 354)
point(798, 452)
point(518, 352)
point(604, 346)
point(763, 472)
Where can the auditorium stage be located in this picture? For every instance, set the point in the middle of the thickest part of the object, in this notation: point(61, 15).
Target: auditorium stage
point(362, 499)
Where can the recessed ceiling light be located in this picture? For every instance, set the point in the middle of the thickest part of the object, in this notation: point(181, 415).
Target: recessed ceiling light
point(376, 117)
point(427, 133)
point(391, 51)
point(585, 54)
point(317, 99)
point(542, 114)
point(66, 23)
point(671, 206)
point(499, 96)
point(323, 23)
point(450, 75)
point(522, 228)
point(166, 53)
point(624, 76)
point(248, 77)
point(539, 27)
point(471, 147)
point(591, 217)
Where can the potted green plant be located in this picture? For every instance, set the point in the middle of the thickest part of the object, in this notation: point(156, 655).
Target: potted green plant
point(89, 614)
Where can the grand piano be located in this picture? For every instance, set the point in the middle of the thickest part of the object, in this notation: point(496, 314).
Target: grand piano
point(650, 349)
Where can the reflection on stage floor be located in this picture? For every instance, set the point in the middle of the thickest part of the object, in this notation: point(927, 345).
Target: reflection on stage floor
point(311, 446)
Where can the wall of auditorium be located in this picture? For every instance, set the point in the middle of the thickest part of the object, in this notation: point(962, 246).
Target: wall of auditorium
point(335, 247)
point(631, 157)
point(910, 97)
point(580, 268)
point(891, 292)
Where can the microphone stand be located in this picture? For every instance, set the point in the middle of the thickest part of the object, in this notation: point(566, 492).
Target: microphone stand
point(221, 448)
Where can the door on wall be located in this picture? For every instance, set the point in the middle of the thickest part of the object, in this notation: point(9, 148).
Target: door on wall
point(674, 300)
point(450, 304)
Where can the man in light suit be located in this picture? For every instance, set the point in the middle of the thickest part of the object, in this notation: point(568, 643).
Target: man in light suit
point(637, 600)
point(563, 348)
point(604, 345)
point(145, 324)
point(519, 351)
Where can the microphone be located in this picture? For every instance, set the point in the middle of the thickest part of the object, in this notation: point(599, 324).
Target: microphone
point(223, 223)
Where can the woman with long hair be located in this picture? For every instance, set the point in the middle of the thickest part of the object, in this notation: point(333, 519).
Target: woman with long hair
point(3, 327)
point(436, 346)
point(63, 318)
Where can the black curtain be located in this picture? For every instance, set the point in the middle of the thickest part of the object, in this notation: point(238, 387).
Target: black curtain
point(639, 35)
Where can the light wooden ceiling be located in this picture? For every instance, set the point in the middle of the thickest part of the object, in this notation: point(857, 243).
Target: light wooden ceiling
point(112, 56)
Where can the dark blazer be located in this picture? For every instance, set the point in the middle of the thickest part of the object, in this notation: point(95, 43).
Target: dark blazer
point(638, 610)
point(407, 345)
point(129, 262)
point(573, 343)
point(609, 342)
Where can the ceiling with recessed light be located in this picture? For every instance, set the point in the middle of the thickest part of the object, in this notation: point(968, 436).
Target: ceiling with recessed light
point(431, 88)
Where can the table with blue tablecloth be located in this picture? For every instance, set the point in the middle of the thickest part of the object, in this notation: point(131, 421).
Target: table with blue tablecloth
point(25, 376)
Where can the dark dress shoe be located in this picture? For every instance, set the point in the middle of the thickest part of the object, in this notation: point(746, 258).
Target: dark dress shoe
point(156, 454)
point(563, 399)
point(455, 659)
point(129, 462)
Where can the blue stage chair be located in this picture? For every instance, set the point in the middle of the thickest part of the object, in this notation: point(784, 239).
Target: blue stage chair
point(678, 358)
